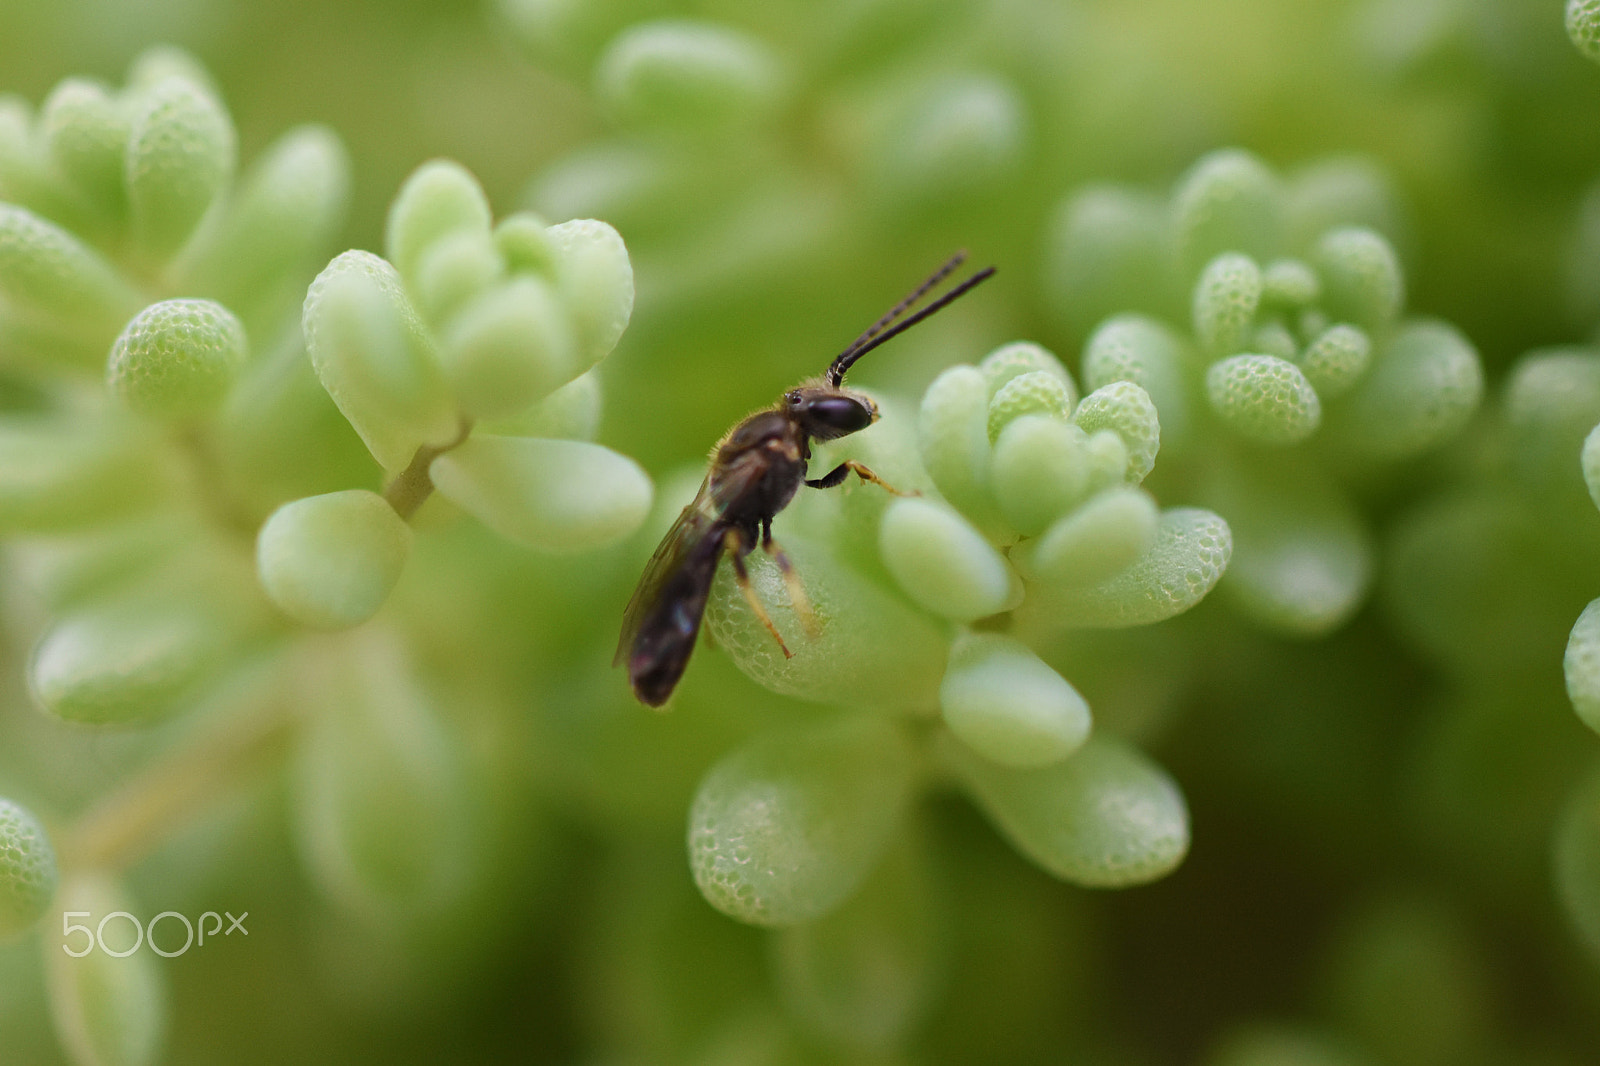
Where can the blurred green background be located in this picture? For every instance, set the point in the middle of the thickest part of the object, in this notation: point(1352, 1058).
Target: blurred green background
point(1370, 879)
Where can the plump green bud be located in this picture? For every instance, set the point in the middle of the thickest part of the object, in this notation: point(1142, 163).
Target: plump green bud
point(1423, 387)
point(1264, 399)
point(1006, 704)
point(1582, 664)
point(24, 175)
point(131, 660)
point(181, 155)
point(1583, 26)
point(330, 561)
point(1225, 301)
point(1108, 458)
point(1144, 351)
point(1577, 860)
point(381, 786)
point(454, 269)
point(178, 358)
point(58, 475)
point(1010, 361)
point(572, 412)
point(957, 133)
point(291, 202)
point(942, 563)
point(1552, 403)
point(1302, 556)
point(440, 198)
point(509, 347)
point(1273, 337)
point(556, 495)
point(1361, 278)
point(376, 359)
point(524, 244)
point(1227, 202)
point(27, 869)
point(1037, 392)
point(1336, 359)
point(49, 276)
point(1289, 284)
point(86, 133)
point(1342, 191)
point(953, 438)
point(595, 280)
point(1041, 468)
point(860, 625)
point(1107, 817)
point(109, 1006)
point(785, 829)
point(160, 62)
point(1311, 324)
point(1106, 535)
point(865, 974)
point(1591, 464)
point(1191, 550)
point(1126, 409)
point(563, 33)
point(1106, 253)
point(684, 75)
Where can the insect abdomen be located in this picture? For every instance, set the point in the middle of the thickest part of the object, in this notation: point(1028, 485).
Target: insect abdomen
point(666, 638)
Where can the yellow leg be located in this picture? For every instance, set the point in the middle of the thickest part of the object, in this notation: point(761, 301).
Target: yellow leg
point(735, 547)
point(797, 590)
point(865, 474)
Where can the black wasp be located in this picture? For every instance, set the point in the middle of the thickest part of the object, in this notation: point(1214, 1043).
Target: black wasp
point(755, 471)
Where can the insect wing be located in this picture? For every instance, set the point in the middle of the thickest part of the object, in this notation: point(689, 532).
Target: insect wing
point(692, 526)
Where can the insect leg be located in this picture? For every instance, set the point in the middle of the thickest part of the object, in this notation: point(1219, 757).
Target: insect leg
point(831, 478)
point(737, 549)
point(840, 472)
point(797, 589)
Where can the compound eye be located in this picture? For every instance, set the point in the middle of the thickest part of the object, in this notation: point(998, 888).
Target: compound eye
point(835, 416)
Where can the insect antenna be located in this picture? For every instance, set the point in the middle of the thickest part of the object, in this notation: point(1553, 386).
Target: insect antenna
point(900, 308)
point(878, 335)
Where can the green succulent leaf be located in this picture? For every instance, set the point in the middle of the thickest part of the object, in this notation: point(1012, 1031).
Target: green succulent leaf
point(180, 160)
point(109, 1007)
point(178, 358)
point(330, 561)
point(556, 495)
point(1107, 817)
point(28, 874)
point(787, 828)
point(1006, 704)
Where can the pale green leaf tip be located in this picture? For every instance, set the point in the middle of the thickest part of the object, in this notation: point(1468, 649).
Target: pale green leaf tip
point(1582, 666)
point(177, 358)
point(941, 562)
point(554, 495)
point(786, 828)
point(1006, 704)
point(329, 562)
point(28, 874)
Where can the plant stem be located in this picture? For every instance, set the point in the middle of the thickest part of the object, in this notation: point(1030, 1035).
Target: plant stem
point(129, 822)
point(413, 486)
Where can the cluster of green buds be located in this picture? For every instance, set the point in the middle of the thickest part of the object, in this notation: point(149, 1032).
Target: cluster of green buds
point(1553, 404)
point(1296, 375)
point(1019, 516)
point(206, 470)
point(1484, 579)
point(462, 362)
point(733, 170)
